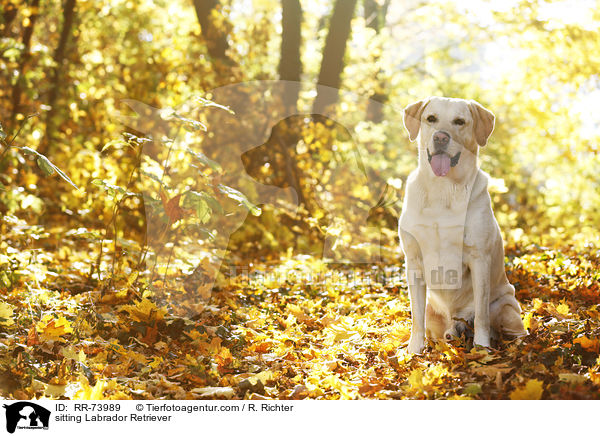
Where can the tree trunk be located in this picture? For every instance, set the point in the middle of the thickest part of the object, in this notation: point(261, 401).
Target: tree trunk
point(216, 38)
point(375, 16)
point(8, 15)
point(290, 63)
point(17, 89)
point(59, 56)
point(332, 64)
point(290, 69)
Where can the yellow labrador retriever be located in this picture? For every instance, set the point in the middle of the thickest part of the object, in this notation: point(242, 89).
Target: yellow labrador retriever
point(450, 237)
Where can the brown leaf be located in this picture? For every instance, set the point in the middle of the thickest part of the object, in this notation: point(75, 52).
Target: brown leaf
point(33, 337)
point(151, 334)
point(300, 392)
point(491, 370)
point(592, 345)
point(172, 208)
point(214, 392)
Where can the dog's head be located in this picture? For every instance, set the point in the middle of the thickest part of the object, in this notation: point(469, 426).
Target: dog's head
point(448, 128)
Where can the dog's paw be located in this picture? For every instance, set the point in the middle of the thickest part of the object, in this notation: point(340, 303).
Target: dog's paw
point(481, 340)
point(415, 346)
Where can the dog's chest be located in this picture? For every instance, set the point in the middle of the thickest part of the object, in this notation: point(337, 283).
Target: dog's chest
point(436, 219)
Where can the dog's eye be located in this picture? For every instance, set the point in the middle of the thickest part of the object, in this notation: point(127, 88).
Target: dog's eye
point(459, 122)
point(431, 119)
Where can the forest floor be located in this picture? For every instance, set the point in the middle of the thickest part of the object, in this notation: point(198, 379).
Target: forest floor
point(278, 332)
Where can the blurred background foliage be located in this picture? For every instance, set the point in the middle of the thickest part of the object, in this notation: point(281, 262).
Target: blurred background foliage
point(123, 96)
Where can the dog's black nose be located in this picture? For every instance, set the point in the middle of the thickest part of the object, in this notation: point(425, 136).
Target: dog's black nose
point(440, 140)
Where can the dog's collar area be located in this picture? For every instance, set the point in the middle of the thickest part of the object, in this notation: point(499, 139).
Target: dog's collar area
point(453, 160)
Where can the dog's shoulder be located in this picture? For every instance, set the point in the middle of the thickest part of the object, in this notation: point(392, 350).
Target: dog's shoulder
point(480, 197)
point(414, 192)
point(481, 229)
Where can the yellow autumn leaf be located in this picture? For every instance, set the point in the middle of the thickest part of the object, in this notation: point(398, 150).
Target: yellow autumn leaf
point(136, 357)
point(71, 353)
point(346, 329)
point(214, 346)
point(223, 357)
point(145, 311)
point(563, 309)
point(416, 379)
point(6, 314)
point(263, 377)
point(533, 390)
point(51, 329)
point(156, 362)
point(537, 303)
point(345, 389)
point(88, 392)
point(437, 372)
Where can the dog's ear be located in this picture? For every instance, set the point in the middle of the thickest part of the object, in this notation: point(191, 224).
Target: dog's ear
point(483, 122)
point(412, 118)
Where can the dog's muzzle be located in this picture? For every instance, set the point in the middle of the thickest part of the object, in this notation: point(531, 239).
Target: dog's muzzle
point(453, 160)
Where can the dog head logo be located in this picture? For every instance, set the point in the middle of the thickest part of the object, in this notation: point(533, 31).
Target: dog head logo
point(26, 415)
point(257, 150)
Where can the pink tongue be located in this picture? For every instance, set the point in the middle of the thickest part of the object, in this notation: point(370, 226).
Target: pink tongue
point(440, 164)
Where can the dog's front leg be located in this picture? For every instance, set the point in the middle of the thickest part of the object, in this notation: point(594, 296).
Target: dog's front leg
point(480, 273)
point(417, 292)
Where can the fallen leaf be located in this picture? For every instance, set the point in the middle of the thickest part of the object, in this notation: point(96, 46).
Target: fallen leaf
point(150, 336)
point(472, 389)
point(592, 345)
point(572, 378)
point(32, 337)
point(298, 393)
point(491, 370)
point(51, 329)
point(533, 390)
point(6, 314)
point(214, 392)
point(145, 311)
point(563, 309)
